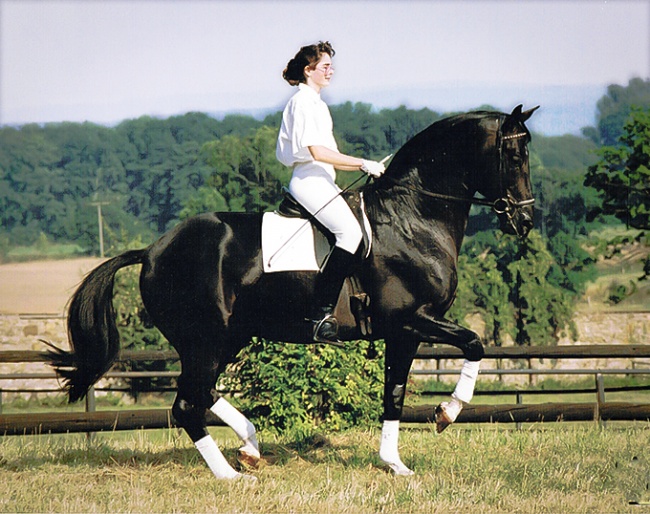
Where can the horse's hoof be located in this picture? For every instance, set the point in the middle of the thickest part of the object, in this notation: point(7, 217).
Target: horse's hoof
point(248, 460)
point(442, 419)
point(246, 479)
point(399, 469)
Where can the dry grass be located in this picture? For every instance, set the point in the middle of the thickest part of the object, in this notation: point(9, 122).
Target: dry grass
point(558, 468)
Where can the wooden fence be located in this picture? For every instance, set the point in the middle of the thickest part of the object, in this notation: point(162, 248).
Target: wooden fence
point(91, 420)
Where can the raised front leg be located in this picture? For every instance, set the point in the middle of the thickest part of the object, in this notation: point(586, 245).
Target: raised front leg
point(399, 357)
point(434, 329)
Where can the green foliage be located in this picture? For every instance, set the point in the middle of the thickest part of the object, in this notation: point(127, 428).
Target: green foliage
point(616, 106)
point(482, 290)
point(544, 310)
point(622, 175)
point(246, 175)
point(301, 387)
point(515, 285)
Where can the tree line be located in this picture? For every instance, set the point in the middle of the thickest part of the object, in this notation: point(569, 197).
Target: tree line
point(147, 173)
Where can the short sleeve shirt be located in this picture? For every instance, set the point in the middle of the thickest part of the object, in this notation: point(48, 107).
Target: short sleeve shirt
point(306, 121)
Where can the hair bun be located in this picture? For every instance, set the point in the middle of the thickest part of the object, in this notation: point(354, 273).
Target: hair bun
point(308, 55)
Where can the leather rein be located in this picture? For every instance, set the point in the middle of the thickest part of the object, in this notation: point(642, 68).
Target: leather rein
point(504, 205)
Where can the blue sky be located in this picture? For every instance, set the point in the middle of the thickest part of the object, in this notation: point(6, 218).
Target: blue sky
point(105, 61)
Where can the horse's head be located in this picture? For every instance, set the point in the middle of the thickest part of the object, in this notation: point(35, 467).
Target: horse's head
point(445, 164)
point(509, 188)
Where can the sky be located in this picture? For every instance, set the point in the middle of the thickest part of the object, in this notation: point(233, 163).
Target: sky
point(106, 61)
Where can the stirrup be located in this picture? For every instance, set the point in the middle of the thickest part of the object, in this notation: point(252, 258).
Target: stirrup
point(326, 331)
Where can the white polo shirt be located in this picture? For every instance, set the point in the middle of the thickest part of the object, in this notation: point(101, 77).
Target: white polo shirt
point(306, 121)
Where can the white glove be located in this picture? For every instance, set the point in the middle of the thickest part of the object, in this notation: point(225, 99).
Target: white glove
point(373, 168)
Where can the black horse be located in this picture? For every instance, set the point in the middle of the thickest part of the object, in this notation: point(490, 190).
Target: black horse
point(204, 286)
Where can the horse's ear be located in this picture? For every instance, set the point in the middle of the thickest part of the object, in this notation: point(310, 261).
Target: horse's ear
point(522, 116)
point(527, 114)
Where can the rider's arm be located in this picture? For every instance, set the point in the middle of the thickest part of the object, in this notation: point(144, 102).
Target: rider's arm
point(338, 160)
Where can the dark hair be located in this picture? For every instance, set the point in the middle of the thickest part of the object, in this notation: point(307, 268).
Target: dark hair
point(309, 55)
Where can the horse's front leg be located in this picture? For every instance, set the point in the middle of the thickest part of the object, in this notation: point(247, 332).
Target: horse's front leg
point(434, 329)
point(399, 357)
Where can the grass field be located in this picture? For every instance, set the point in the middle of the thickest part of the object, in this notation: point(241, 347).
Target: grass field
point(555, 467)
point(561, 467)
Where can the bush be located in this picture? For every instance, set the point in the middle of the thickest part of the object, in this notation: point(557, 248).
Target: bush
point(301, 387)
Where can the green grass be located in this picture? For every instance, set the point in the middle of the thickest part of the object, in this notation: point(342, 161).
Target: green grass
point(42, 250)
point(560, 467)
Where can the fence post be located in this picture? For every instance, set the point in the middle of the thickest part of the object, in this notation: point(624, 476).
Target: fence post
point(520, 401)
point(90, 407)
point(600, 398)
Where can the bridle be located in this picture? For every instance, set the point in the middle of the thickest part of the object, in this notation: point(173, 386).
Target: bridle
point(506, 205)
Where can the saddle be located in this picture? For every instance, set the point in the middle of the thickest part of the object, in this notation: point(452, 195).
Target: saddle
point(359, 299)
point(291, 208)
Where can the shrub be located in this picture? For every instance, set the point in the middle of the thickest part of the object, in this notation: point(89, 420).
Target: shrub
point(301, 387)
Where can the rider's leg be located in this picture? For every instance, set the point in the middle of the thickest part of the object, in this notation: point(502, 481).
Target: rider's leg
point(320, 196)
point(327, 290)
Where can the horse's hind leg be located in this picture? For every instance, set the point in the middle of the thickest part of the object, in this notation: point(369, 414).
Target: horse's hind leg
point(249, 453)
point(192, 401)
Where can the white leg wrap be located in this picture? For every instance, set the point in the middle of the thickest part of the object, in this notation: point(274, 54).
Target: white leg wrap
point(388, 451)
point(464, 390)
point(215, 459)
point(244, 429)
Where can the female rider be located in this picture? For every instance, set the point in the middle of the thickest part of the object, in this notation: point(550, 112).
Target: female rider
point(306, 143)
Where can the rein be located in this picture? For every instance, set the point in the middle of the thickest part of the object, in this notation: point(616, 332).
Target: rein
point(505, 205)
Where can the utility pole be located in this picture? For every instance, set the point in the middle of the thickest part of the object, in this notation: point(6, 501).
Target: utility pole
point(100, 223)
point(100, 220)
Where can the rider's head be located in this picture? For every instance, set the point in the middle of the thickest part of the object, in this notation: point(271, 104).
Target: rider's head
point(307, 57)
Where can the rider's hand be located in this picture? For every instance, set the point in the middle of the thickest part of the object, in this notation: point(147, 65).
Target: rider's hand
point(373, 168)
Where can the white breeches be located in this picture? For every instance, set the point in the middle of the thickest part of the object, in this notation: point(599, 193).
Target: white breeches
point(317, 190)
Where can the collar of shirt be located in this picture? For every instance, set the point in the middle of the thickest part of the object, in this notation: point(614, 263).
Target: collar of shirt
point(309, 90)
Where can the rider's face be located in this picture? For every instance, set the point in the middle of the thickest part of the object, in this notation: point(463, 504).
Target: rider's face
point(320, 75)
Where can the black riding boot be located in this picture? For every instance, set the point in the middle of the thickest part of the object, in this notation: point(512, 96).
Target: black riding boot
point(328, 288)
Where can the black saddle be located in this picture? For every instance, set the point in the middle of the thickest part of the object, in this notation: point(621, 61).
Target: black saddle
point(291, 208)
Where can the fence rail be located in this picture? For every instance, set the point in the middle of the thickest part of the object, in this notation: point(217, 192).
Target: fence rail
point(91, 420)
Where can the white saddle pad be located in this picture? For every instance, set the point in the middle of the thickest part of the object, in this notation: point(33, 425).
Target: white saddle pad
point(288, 244)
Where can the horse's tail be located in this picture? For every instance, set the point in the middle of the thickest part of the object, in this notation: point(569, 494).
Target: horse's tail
point(92, 332)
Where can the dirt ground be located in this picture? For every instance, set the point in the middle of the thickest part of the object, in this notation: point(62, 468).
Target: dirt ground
point(41, 287)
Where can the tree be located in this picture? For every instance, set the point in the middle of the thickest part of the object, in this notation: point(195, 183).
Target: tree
point(513, 285)
point(246, 176)
point(622, 175)
point(482, 290)
point(615, 107)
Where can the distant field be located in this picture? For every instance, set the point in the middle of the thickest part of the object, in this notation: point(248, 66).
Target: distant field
point(41, 286)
